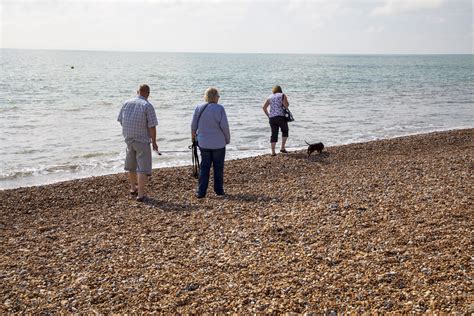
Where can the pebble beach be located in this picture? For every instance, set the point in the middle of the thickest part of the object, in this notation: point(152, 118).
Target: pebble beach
point(381, 226)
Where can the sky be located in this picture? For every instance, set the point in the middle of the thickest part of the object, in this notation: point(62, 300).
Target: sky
point(259, 26)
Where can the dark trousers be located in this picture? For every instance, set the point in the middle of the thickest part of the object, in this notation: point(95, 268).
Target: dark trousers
point(215, 157)
point(278, 122)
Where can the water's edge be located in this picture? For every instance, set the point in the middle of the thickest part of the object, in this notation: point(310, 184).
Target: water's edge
point(327, 147)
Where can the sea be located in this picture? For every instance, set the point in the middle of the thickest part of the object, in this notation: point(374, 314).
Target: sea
point(58, 109)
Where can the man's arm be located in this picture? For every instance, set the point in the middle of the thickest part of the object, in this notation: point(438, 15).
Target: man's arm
point(153, 137)
point(119, 118)
point(152, 121)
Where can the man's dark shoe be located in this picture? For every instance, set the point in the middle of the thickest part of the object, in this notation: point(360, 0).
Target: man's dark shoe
point(199, 196)
point(140, 199)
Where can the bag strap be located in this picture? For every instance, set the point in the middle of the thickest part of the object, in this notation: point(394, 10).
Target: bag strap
point(200, 113)
point(283, 99)
point(193, 147)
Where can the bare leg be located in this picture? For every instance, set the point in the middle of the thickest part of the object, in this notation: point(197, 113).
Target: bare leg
point(273, 148)
point(142, 181)
point(132, 177)
point(283, 143)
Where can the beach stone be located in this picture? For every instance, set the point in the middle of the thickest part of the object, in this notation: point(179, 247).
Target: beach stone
point(388, 304)
point(191, 287)
point(271, 245)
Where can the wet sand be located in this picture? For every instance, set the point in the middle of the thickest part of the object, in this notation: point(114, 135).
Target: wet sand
point(379, 226)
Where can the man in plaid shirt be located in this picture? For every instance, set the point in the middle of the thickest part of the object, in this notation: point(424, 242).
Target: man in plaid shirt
point(138, 120)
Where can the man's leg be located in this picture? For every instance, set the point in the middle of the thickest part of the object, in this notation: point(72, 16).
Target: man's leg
point(131, 166)
point(142, 181)
point(132, 178)
point(144, 166)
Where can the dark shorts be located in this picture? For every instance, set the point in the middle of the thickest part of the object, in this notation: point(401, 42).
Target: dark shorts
point(278, 122)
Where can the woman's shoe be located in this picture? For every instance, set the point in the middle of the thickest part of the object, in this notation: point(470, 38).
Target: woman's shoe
point(283, 151)
point(199, 196)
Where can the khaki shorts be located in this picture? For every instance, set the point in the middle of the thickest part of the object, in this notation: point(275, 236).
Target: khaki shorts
point(138, 157)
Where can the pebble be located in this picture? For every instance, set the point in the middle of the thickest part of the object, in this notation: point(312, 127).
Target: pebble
point(272, 245)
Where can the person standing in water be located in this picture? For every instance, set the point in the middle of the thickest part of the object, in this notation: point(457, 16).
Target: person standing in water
point(277, 101)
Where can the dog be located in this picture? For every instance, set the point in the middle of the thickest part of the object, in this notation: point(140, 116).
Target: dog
point(315, 147)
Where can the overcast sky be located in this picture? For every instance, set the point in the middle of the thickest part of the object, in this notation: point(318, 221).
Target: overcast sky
point(286, 26)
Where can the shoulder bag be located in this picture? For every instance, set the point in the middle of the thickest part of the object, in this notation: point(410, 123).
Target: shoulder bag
point(288, 115)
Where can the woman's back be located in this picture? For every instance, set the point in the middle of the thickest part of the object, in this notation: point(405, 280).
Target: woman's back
point(276, 100)
point(213, 127)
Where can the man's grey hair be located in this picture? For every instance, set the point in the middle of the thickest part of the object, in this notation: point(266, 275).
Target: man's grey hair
point(211, 95)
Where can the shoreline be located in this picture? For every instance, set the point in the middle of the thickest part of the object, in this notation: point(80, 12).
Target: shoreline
point(265, 150)
point(378, 226)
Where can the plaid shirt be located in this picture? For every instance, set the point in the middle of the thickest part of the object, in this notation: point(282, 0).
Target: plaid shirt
point(136, 117)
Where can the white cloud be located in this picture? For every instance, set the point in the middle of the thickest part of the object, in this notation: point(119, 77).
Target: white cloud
point(301, 26)
point(394, 7)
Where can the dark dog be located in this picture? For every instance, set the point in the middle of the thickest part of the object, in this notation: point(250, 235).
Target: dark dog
point(315, 147)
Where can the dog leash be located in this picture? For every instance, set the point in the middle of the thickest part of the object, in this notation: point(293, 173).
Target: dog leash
point(227, 150)
point(195, 157)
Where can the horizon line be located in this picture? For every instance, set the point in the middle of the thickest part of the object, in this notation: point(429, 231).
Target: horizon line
point(207, 52)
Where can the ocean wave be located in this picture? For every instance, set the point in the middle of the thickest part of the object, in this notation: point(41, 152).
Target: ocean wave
point(28, 172)
point(96, 154)
point(7, 108)
point(461, 102)
point(22, 127)
point(106, 103)
point(173, 139)
point(90, 166)
point(61, 168)
point(27, 151)
point(17, 174)
point(73, 110)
